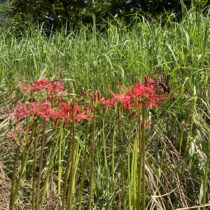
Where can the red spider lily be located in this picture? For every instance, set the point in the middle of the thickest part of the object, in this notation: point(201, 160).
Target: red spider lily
point(137, 96)
point(70, 112)
point(37, 109)
point(107, 102)
point(22, 112)
point(66, 111)
point(43, 110)
point(142, 95)
point(44, 84)
point(57, 87)
point(83, 116)
point(96, 97)
point(41, 84)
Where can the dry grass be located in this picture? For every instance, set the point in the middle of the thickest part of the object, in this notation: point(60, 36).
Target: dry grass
point(5, 185)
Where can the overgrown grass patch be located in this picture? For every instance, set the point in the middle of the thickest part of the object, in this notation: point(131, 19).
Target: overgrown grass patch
point(177, 150)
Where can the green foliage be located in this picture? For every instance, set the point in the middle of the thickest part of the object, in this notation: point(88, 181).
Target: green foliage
point(59, 13)
point(177, 147)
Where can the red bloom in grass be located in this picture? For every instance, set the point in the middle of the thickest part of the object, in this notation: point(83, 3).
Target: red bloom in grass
point(65, 108)
point(145, 94)
point(37, 109)
point(96, 97)
point(66, 111)
point(149, 82)
point(122, 99)
point(44, 84)
point(56, 115)
point(43, 110)
point(83, 116)
point(56, 87)
point(137, 96)
point(107, 102)
point(22, 112)
point(70, 112)
point(115, 98)
point(41, 84)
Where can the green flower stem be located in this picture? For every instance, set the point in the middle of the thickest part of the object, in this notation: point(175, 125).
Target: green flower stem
point(141, 170)
point(49, 168)
point(92, 161)
point(40, 166)
point(66, 175)
point(113, 158)
point(23, 164)
point(13, 185)
point(60, 163)
point(104, 147)
point(143, 156)
point(82, 180)
point(72, 171)
point(34, 170)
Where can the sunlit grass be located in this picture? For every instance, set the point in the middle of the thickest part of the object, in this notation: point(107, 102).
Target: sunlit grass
point(176, 151)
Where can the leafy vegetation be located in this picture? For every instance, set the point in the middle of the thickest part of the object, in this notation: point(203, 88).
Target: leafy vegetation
point(57, 13)
point(177, 142)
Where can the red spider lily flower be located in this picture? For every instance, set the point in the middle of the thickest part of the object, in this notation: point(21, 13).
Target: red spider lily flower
point(138, 95)
point(108, 102)
point(122, 99)
point(65, 108)
point(41, 84)
point(83, 116)
point(149, 82)
point(145, 94)
point(57, 115)
point(69, 112)
point(44, 84)
point(57, 87)
point(76, 109)
point(22, 112)
point(43, 110)
point(96, 97)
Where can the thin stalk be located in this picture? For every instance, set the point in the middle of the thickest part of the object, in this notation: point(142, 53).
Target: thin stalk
point(49, 168)
point(71, 178)
point(13, 185)
point(141, 170)
point(23, 164)
point(129, 175)
point(34, 170)
point(82, 182)
point(121, 155)
point(134, 171)
point(40, 166)
point(66, 175)
point(113, 159)
point(60, 164)
point(92, 161)
point(143, 156)
point(104, 146)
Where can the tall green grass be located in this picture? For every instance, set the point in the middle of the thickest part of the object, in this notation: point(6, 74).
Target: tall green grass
point(177, 153)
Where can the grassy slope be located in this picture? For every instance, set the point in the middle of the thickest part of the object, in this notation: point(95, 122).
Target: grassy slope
point(177, 145)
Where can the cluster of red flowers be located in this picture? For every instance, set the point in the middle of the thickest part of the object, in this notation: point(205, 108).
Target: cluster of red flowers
point(65, 111)
point(51, 88)
point(139, 95)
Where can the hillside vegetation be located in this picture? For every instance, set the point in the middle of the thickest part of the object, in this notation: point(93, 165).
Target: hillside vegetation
point(104, 154)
